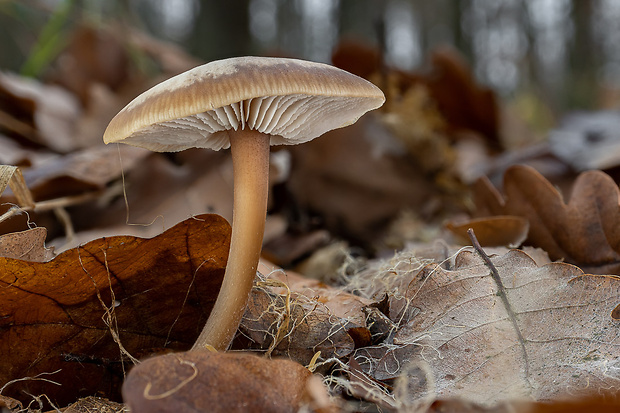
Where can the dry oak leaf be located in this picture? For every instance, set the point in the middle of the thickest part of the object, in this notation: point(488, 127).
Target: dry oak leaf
point(584, 231)
point(204, 381)
point(554, 337)
point(492, 231)
point(57, 316)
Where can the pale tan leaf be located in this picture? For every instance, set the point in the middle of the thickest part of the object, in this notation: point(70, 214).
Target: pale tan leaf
point(26, 245)
point(12, 176)
point(563, 338)
point(558, 334)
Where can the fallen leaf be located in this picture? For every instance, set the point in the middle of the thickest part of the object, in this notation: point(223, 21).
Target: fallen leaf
point(584, 231)
point(288, 248)
point(294, 326)
point(36, 113)
point(14, 154)
point(81, 171)
point(340, 303)
point(553, 335)
point(386, 363)
point(492, 231)
point(316, 399)
point(12, 177)
point(202, 381)
point(62, 318)
point(466, 105)
point(365, 387)
point(10, 403)
point(26, 245)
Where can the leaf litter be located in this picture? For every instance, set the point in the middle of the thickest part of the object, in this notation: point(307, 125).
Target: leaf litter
point(426, 329)
point(581, 229)
point(453, 327)
point(83, 313)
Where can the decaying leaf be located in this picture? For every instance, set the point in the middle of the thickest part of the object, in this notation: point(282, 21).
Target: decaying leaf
point(13, 154)
point(339, 302)
point(556, 335)
point(204, 381)
point(584, 231)
point(294, 326)
point(297, 316)
point(76, 320)
point(26, 245)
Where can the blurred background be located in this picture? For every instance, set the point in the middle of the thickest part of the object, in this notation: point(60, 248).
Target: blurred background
point(473, 87)
point(564, 52)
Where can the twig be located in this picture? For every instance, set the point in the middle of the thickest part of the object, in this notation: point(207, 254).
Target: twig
point(501, 292)
point(52, 204)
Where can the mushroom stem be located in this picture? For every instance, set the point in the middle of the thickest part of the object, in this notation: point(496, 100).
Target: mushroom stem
point(250, 155)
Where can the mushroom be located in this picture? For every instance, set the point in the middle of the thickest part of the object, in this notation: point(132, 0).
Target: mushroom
point(247, 104)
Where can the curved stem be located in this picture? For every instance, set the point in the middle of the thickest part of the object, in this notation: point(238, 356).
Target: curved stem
point(250, 155)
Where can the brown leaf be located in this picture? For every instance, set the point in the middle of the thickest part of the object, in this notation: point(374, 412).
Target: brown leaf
point(314, 306)
point(81, 171)
point(59, 315)
point(596, 402)
point(462, 102)
point(10, 403)
point(27, 245)
point(365, 387)
point(584, 231)
point(385, 363)
point(492, 231)
point(14, 154)
point(297, 329)
point(204, 381)
point(38, 114)
point(555, 335)
point(339, 302)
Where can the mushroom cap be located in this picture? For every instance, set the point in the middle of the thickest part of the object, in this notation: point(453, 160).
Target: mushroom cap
point(292, 100)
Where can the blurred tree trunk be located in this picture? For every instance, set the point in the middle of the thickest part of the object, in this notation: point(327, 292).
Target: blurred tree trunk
point(360, 19)
point(222, 29)
point(290, 38)
point(583, 59)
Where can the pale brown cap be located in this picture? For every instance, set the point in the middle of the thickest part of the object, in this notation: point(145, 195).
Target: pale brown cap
point(292, 100)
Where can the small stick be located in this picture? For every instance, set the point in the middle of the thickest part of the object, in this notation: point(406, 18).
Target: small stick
point(51, 204)
point(502, 294)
